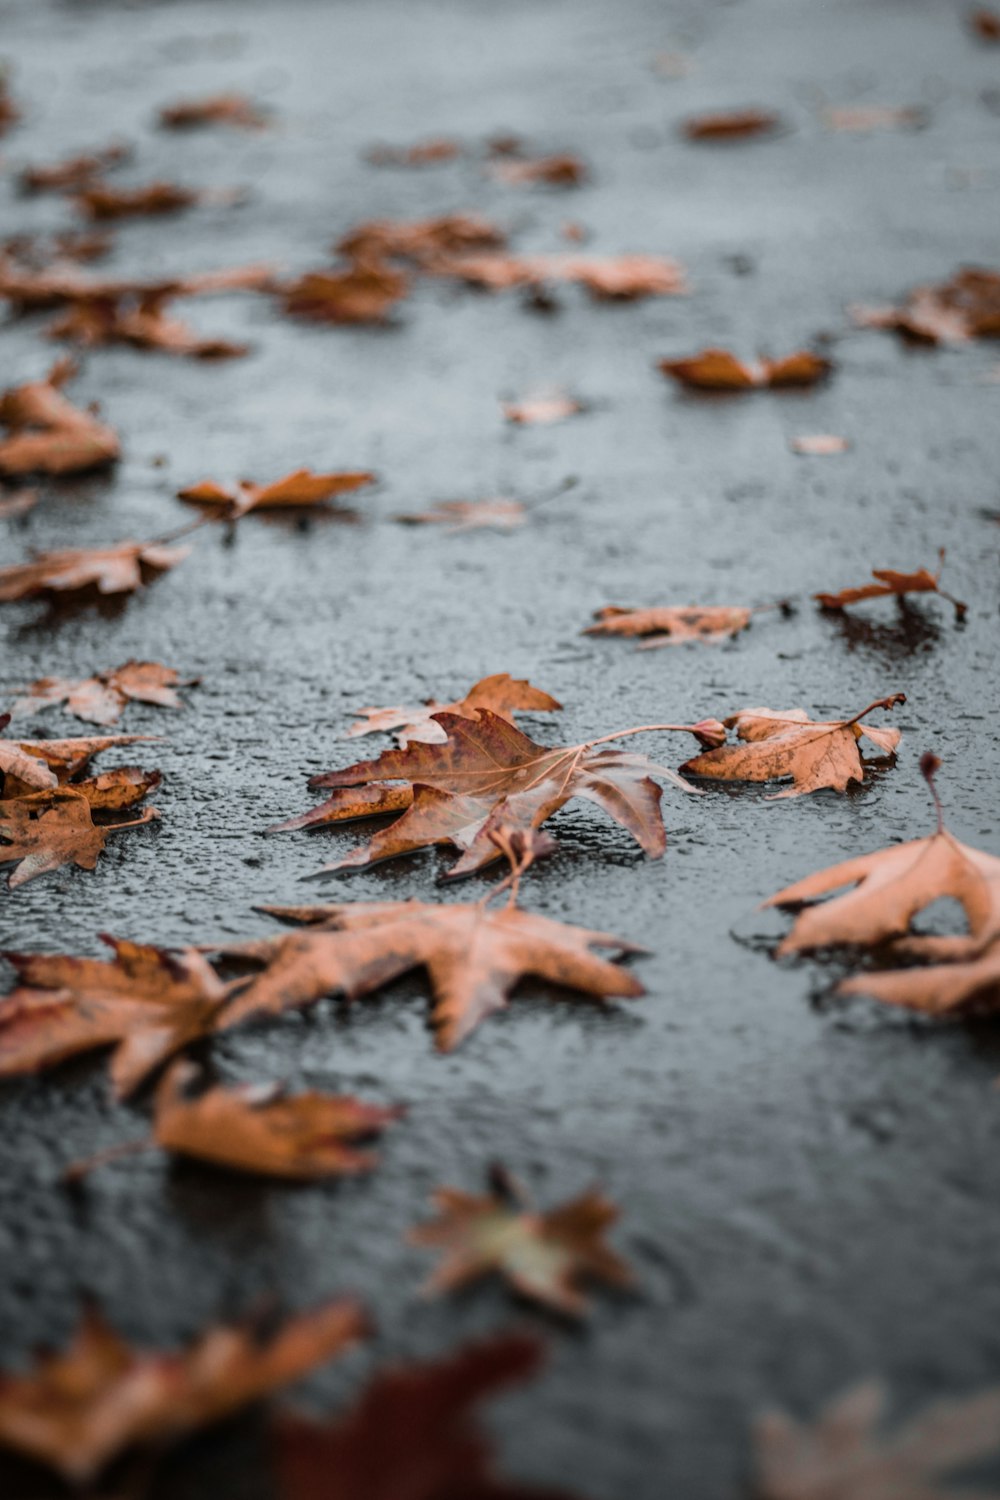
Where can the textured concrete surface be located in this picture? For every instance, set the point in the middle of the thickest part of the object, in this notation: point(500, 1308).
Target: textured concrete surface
point(808, 1190)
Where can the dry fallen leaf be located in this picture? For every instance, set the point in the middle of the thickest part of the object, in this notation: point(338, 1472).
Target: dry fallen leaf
point(779, 744)
point(718, 370)
point(110, 570)
point(542, 409)
point(501, 693)
point(100, 201)
point(423, 154)
point(260, 1129)
point(146, 1003)
point(841, 1456)
point(966, 307)
point(422, 241)
point(732, 124)
point(49, 434)
point(544, 1256)
point(985, 24)
point(563, 170)
point(78, 1410)
point(75, 171)
point(102, 698)
point(363, 293)
point(892, 584)
point(673, 625)
point(141, 322)
point(437, 1450)
point(487, 773)
point(215, 109)
point(818, 444)
point(45, 830)
point(301, 488)
point(474, 957)
point(34, 765)
point(953, 988)
point(890, 887)
point(621, 278)
point(29, 288)
point(470, 515)
point(865, 117)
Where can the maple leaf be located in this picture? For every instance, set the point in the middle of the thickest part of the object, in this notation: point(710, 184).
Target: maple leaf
point(146, 1003)
point(474, 958)
point(718, 370)
point(100, 201)
point(215, 109)
point(865, 117)
point(437, 1452)
point(485, 774)
point(45, 830)
point(985, 24)
point(423, 154)
point(33, 765)
point(422, 241)
point(259, 1129)
point(75, 171)
point(542, 409)
point(102, 698)
point(966, 307)
point(842, 1457)
point(544, 1256)
point(77, 1411)
point(501, 693)
point(301, 488)
point(674, 624)
point(778, 744)
point(608, 278)
point(732, 124)
point(563, 170)
point(893, 584)
point(363, 293)
point(819, 444)
point(110, 570)
point(49, 434)
point(890, 887)
point(469, 515)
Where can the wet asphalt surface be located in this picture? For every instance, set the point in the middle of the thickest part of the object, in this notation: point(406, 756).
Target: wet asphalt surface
point(808, 1190)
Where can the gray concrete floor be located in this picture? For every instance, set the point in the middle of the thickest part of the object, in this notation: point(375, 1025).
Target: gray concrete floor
point(808, 1190)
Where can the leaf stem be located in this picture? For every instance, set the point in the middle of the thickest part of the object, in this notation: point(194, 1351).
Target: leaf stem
point(620, 734)
point(78, 1170)
point(929, 764)
point(889, 702)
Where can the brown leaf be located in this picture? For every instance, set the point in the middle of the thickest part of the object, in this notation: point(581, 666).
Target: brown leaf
point(966, 307)
point(474, 957)
point(62, 284)
point(671, 625)
point(718, 370)
point(102, 698)
point(733, 124)
point(470, 515)
point(542, 409)
point(75, 171)
point(363, 293)
point(779, 744)
point(818, 444)
point(141, 322)
point(146, 1003)
point(99, 201)
point(892, 584)
point(620, 278)
point(862, 118)
point(985, 24)
point(216, 109)
point(437, 1452)
point(423, 154)
point(544, 1256)
point(33, 765)
point(301, 488)
point(501, 693)
point(45, 830)
point(564, 170)
point(49, 434)
point(890, 887)
point(841, 1456)
point(253, 1128)
point(954, 988)
point(487, 773)
point(422, 241)
point(77, 1411)
point(111, 570)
